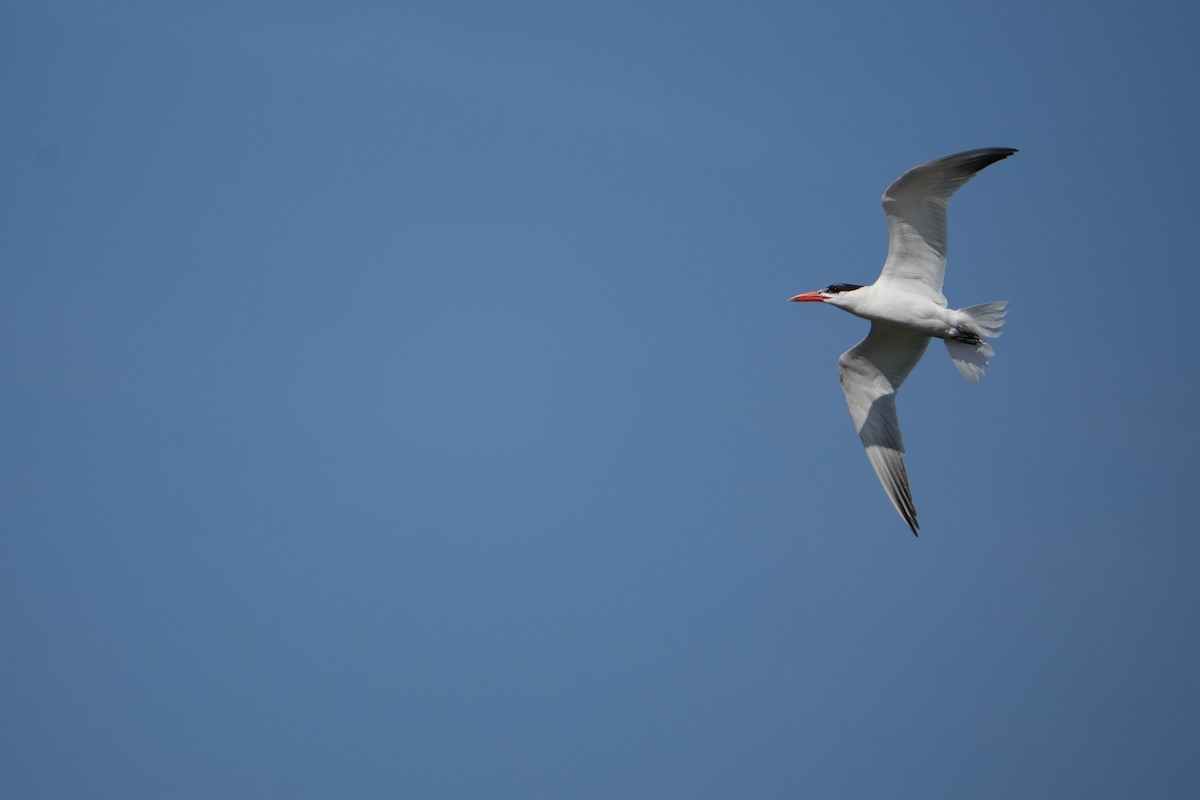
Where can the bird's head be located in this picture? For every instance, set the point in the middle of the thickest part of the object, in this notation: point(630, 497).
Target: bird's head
point(834, 294)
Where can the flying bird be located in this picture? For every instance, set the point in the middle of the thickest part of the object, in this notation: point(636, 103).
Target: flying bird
point(906, 308)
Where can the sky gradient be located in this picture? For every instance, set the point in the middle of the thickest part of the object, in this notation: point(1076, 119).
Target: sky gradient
point(401, 400)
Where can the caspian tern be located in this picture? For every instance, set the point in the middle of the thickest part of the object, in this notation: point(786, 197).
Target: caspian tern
point(906, 308)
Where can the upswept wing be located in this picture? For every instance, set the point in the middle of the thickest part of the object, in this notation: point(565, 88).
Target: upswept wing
point(915, 206)
point(872, 372)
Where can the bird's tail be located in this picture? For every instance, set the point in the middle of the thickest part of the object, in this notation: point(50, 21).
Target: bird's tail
point(971, 355)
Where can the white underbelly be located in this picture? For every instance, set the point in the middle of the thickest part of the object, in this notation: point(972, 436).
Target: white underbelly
point(918, 314)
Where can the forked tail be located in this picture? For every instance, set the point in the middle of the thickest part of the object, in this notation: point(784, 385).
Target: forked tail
point(970, 353)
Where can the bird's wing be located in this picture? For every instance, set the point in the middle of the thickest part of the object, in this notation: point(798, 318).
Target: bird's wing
point(915, 206)
point(872, 372)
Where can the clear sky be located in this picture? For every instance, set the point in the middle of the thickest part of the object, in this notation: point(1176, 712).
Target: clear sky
point(399, 399)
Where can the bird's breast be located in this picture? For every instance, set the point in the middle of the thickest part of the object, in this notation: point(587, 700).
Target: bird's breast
point(917, 313)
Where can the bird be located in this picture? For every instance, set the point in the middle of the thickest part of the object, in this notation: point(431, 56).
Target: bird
point(907, 309)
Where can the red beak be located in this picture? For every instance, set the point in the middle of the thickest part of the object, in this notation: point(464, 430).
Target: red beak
point(808, 297)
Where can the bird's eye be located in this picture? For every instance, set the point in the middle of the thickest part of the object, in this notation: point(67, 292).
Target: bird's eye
point(838, 288)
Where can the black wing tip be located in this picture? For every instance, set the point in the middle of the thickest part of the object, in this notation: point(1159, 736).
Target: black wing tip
point(975, 160)
point(903, 499)
point(956, 168)
point(997, 152)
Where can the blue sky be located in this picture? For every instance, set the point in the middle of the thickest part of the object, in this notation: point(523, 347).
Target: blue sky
point(400, 400)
